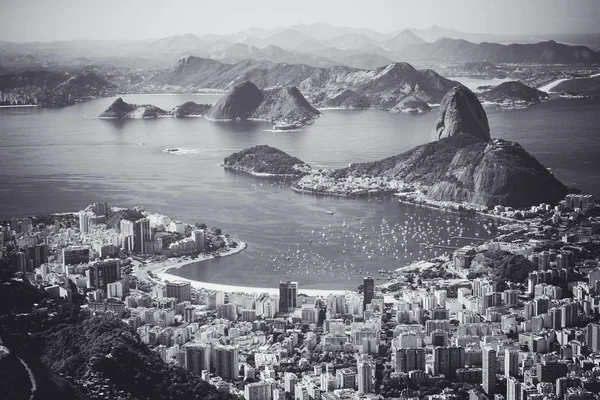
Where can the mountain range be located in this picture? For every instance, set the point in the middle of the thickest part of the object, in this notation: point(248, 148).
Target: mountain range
point(381, 88)
point(316, 45)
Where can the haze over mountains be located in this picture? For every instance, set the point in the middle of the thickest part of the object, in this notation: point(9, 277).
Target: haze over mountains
point(318, 44)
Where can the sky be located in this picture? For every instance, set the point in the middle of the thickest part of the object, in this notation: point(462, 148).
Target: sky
point(46, 20)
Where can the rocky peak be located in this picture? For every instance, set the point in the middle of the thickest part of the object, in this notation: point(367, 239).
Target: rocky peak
point(460, 112)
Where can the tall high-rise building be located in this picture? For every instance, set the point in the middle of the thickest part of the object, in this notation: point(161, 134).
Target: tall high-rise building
point(197, 358)
point(511, 362)
point(126, 228)
point(446, 360)
point(368, 291)
point(18, 262)
point(102, 273)
point(409, 359)
point(141, 235)
point(289, 380)
point(288, 296)
point(227, 311)
point(227, 362)
point(84, 221)
point(489, 371)
point(101, 209)
point(345, 378)
point(593, 337)
point(179, 290)
point(366, 371)
point(262, 390)
point(513, 389)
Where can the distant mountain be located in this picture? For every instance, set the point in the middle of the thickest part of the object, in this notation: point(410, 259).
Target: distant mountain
point(513, 92)
point(242, 51)
point(237, 51)
point(246, 101)
point(435, 32)
point(289, 39)
point(122, 110)
point(453, 50)
point(176, 46)
point(266, 161)
point(323, 31)
point(349, 41)
point(402, 40)
point(362, 60)
point(383, 87)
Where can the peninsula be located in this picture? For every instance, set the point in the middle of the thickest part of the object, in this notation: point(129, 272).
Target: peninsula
point(462, 164)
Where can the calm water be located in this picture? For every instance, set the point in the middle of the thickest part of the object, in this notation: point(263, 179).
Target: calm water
point(62, 160)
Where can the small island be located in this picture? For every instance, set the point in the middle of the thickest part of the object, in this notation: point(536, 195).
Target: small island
point(265, 160)
point(513, 94)
point(120, 109)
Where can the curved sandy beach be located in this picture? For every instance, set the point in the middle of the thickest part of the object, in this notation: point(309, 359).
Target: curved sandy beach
point(161, 271)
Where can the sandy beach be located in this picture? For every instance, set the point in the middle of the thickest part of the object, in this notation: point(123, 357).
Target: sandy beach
point(161, 270)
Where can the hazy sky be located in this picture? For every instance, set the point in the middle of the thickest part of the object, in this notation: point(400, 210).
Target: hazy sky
point(32, 20)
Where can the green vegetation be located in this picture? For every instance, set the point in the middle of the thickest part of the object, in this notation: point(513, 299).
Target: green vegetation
point(501, 267)
point(66, 350)
point(265, 159)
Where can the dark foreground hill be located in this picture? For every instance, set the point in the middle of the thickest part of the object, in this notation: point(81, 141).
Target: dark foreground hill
point(73, 357)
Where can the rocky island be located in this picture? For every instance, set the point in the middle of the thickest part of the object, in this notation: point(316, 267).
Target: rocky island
point(122, 110)
point(462, 164)
point(279, 105)
point(265, 160)
point(190, 109)
point(513, 94)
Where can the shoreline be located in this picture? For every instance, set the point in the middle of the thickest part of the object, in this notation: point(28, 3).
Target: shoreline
point(162, 271)
point(19, 106)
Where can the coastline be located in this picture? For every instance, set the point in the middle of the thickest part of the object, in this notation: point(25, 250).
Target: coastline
point(19, 105)
point(162, 271)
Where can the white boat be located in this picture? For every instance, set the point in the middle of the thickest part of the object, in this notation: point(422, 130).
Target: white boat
point(329, 212)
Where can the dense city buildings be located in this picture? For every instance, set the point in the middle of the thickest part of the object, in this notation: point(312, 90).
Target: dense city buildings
point(531, 334)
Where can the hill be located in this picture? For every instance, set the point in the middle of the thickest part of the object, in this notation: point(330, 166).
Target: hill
point(513, 92)
point(55, 89)
point(383, 87)
point(266, 160)
point(457, 50)
point(246, 101)
point(402, 40)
